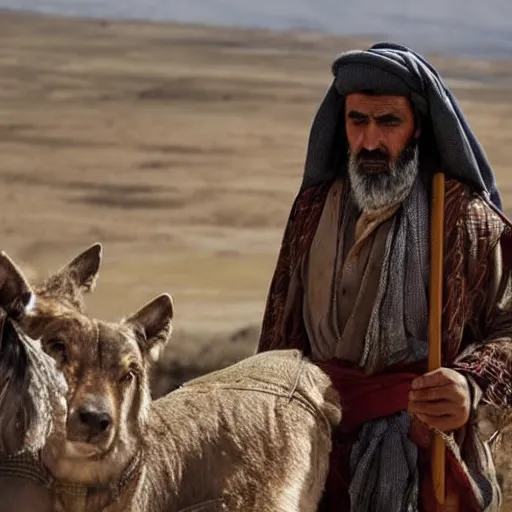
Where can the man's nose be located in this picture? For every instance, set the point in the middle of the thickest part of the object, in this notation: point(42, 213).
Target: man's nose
point(371, 139)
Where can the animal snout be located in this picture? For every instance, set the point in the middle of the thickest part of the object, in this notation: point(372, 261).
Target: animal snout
point(91, 421)
point(94, 420)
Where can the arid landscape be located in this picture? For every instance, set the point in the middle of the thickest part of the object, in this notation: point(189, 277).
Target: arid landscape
point(180, 148)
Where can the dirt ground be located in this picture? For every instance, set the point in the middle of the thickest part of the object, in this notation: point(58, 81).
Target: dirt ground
point(180, 148)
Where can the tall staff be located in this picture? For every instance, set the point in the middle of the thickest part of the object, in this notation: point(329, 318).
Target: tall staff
point(435, 333)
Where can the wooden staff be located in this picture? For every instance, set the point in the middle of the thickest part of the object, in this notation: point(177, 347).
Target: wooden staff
point(434, 320)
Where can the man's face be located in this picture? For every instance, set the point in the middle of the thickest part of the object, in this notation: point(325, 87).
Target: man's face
point(379, 127)
point(383, 149)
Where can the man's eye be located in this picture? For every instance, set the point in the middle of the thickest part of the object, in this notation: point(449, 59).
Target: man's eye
point(391, 122)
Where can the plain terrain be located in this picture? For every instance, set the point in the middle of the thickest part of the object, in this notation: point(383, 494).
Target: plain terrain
point(180, 148)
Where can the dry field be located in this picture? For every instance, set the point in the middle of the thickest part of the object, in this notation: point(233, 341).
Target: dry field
point(180, 148)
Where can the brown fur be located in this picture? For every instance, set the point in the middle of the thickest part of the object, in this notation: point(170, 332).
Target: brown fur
point(33, 406)
point(255, 436)
point(20, 418)
point(495, 427)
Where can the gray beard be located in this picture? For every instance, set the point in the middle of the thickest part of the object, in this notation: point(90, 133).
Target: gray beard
point(374, 191)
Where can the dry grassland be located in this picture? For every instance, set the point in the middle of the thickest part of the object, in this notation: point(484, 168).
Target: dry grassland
point(180, 148)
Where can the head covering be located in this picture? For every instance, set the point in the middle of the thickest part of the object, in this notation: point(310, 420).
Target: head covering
point(388, 68)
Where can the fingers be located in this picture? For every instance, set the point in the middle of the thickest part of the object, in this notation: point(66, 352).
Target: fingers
point(448, 392)
point(436, 378)
point(435, 409)
point(442, 414)
point(440, 399)
point(441, 423)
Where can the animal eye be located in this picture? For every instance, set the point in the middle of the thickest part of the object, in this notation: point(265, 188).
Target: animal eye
point(128, 377)
point(57, 349)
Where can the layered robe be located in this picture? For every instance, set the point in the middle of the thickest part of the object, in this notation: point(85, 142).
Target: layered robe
point(476, 327)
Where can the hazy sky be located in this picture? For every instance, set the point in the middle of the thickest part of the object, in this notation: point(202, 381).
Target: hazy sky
point(469, 27)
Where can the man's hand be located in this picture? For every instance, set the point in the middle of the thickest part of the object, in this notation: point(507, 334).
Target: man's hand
point(441, 399)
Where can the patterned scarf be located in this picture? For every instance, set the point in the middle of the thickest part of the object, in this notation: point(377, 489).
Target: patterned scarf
point(383, 460)
point(392, 273)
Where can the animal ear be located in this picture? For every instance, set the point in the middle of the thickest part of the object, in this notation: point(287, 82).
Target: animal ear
point(153, 325)
point(75, 279)
point(15, 291)
point(83, 270)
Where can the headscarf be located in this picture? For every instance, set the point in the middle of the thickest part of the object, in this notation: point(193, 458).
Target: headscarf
point(388, 68)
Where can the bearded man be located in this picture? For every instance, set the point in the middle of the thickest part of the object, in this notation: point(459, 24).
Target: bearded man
point(351, 285)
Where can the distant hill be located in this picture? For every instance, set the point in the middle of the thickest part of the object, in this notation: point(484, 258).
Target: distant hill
point(457, 27)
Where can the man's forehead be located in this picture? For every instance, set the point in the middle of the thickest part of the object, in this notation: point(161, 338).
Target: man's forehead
point(368, 103)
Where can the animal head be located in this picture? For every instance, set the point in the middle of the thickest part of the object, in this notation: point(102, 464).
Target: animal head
point(32, 389)
point(32, 393)
point(106, 366)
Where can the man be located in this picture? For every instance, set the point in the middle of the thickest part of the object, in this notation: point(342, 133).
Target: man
point(351, 284)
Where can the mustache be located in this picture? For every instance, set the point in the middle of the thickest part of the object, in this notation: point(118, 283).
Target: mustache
point(374, 155)
point(382, 155)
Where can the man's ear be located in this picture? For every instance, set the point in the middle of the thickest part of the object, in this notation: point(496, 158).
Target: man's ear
point(152, 324)
point(15, 291)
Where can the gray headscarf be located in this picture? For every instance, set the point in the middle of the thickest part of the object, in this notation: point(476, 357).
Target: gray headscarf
point(388, 68)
